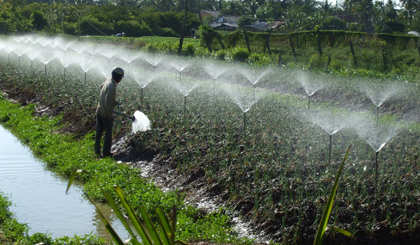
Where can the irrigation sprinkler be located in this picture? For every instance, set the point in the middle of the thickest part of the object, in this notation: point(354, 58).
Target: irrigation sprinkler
point(85, 76)
point(331, 123)
point(377, 136)
point(45, 69)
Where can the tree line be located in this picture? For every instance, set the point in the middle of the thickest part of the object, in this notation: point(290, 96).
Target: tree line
point(165, 17)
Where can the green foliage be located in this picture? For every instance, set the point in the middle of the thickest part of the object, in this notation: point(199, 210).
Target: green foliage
point(192, 224)
point(317, 61)
point(92, 26)
point(319, 239)
point(164, 32)
point(219, 54)
point(332, 23)
point(38, 20)
point(133, 28)
point(202, 52)
point(188, 49)
point(64, 153)
point(335, 64)
point(259, 59)
point(395, 27)
point(239, 54)
point(245, 20)
point(147, 230)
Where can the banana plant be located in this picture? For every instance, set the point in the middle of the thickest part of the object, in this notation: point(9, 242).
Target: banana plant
point(163, 233)
point(319, 239)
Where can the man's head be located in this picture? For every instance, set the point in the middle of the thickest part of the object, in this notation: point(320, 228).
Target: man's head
point(117, 74)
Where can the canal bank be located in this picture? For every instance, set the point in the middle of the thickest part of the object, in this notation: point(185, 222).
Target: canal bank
point(63, 152)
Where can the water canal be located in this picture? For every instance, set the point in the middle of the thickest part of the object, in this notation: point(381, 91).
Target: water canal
point(39, 198)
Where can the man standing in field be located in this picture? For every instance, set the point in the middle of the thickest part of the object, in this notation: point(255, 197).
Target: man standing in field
point(104, 111)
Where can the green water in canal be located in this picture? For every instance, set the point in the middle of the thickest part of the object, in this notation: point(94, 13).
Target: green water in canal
point(39, 198)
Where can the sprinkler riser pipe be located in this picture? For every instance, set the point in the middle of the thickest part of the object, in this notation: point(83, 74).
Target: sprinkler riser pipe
point(244, 122)
point(185, 105)
point(376, 171)
point(329, 152)
point(142, 96)
point(309, 102)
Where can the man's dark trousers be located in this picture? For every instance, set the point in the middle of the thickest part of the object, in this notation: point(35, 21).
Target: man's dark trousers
point(103, 124)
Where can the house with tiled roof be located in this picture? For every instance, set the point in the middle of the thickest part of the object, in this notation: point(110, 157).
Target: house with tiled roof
point(221, 22)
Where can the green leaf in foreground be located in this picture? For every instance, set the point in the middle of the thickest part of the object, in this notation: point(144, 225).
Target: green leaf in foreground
point(72, 177)
point(108, 226)
point(148, 232)
point(339, 230)
point(327, 211)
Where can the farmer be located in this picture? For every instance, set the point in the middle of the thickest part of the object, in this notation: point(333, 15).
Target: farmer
point(104, 116)
point(193, 32)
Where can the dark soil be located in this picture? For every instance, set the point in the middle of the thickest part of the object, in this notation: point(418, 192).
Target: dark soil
point(209, 196)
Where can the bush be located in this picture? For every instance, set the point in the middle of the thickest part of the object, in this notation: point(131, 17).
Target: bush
point(259, 59)
point(219, 55)
point(317, 61)
point(188, 49)
point(69, 28)
point(92, 26)
point(164, 32)
point(202, 52)
point(133, 28)
point(38, 20)
point(239, 54)
point(335, 64)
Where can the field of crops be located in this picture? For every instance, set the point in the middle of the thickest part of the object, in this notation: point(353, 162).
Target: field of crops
point(259, 137)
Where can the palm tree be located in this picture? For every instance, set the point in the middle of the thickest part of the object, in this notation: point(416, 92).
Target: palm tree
point(326, 7)
point(390, 11)
point(411, 6)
